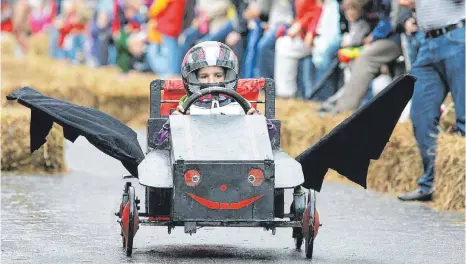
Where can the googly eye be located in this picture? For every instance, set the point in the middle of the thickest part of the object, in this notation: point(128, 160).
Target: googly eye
point(192, 177)
point(256, 177)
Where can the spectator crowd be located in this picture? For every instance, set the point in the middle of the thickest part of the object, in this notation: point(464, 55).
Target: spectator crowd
point(295, 42)
point(337, 52)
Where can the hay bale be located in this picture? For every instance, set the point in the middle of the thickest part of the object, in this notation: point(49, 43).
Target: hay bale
point(53, 78)
point(123, 108)
point(8, 44)
point(448, 117)
point(399, 167)
point(39, 44)
point(16, 156)
point(450, 172)
point(302, 126)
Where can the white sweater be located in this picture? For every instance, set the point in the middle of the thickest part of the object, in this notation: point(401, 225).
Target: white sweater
point(328, 28)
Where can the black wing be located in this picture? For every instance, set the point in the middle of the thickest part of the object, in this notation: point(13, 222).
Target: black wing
point(102, 130)
point(350, 146)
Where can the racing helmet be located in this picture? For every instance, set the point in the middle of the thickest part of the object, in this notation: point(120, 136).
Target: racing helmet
point(209, 53)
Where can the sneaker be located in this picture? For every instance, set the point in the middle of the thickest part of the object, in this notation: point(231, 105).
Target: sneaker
point(417, 195)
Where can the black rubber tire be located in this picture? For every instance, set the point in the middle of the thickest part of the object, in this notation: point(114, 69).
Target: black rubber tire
point(309, 246)
point(132, 210)
point(309, 237)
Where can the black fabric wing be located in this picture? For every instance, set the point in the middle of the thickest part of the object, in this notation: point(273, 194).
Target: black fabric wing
point(350, 146)
point(103, 131)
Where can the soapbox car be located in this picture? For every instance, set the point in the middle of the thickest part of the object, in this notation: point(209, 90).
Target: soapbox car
point(217, 170)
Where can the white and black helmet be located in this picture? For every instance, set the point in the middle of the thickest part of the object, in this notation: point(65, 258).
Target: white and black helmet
point(209, 53)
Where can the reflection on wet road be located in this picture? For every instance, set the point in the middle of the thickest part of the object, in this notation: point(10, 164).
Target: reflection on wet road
point(70, 219)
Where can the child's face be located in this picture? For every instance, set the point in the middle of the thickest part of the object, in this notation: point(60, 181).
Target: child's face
point(130, 12)
point(352, 14)
point(102, 19)
point(211, 74)
point(68, 6)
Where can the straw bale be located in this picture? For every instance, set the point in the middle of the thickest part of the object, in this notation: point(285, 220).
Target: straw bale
point(38, 44)
point(124, 108)
point(448, 118)
point(450, 172)
point(16, 156)
point(302, 126)
point(8, 43)
point(399, 167)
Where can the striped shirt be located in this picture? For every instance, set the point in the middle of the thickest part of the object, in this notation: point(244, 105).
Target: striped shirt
point(433, 14)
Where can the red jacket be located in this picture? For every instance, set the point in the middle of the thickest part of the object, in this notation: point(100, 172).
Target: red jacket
point(67, 28)
point(168, 16)
point(308, 15)
point(7, 22)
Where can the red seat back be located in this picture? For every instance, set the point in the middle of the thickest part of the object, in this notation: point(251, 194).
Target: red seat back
point(174, 90)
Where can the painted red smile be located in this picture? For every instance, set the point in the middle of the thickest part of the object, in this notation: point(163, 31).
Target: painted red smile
point(224, 206)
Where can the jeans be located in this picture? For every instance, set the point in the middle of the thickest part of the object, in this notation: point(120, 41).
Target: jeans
point(440, 68)
point(249, 66)
point(414, 42)
point(191, 36)
point(306, 77)
point(55, 51)
point(266, 54)
point(77, 45)
point(164, 58)
point(314, 68)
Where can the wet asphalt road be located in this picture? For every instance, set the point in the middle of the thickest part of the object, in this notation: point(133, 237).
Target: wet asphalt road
point(70, 219)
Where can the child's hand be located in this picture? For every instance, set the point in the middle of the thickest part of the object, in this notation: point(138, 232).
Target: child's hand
point(195, 23)
point(252, 12)
point(116, 35)
point(129, 28)
point(252, 111)
point(58, 23)
point(294, 30)
point(178, 110)
point(232, 38)
point(407, 3)
point(368, 40)
point(309, 39)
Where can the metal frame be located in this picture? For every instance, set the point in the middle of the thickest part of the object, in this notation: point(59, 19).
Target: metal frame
point(156, 120)
point(156, 87)
point(265, 224)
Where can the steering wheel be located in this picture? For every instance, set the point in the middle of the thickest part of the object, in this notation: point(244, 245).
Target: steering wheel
point(215, 90)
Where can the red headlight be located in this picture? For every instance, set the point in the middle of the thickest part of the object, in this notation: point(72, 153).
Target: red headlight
point(192, 177)
point(256, 177)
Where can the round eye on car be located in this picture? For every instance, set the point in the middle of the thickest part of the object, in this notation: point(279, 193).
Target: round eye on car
point(255, 177)
point(192, 177)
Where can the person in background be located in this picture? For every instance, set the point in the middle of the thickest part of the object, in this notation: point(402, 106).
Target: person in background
point(6, 16)
point(100, 32)
point(42, 16)
point(275, 14)
point(325, 46)
point(212, 23)
point(440, 68)
point(352, 41)
point(130, 24)
point(164, 27)
point(381, 46)
point(358, 27)
point(255, 30)
point(71, 31)
point(294, 44)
